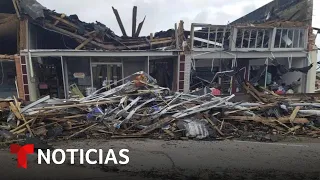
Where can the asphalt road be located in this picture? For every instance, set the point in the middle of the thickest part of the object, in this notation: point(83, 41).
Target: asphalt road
point(154, 159)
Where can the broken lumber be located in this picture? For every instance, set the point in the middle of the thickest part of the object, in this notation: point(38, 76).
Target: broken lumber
point(84, 43)
point(119, 21)
point(140, 27)
point(65, 22)
point(67, 33)
point(81, 131)
point(294, 114)
point(134, 20)
point(267, 120)
point(17, 113)
point(154, 126)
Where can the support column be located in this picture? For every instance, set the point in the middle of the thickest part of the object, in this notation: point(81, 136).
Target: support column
point(181, 68)
point(185, 62)
point(32, 84)
point(19, 76)
point(311, 77)
point(24, 76)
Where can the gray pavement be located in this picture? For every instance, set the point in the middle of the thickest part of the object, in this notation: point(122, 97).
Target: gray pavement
point(181, 160)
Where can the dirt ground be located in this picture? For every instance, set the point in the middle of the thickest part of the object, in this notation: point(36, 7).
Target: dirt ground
point(156, 159)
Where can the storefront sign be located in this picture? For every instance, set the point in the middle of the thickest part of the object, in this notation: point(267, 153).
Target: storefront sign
point(79, 75)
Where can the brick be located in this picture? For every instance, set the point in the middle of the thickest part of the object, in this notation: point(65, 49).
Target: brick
point(19, 76)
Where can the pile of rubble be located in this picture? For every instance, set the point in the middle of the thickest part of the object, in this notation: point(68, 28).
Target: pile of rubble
point(140, 108)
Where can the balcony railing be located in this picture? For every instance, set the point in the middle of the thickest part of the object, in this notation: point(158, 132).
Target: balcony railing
point(232, 38)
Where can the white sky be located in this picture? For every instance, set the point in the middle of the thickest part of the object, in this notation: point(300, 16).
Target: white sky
point(162, 14)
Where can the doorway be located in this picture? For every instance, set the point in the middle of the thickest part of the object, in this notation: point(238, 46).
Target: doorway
point(106, 75)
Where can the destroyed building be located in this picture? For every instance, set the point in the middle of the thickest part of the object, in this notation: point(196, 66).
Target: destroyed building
point(43, 52)
point(50, 53)
point(274, 44)
point(62, 60)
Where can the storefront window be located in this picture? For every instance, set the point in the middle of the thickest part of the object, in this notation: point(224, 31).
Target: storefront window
point(79, 74)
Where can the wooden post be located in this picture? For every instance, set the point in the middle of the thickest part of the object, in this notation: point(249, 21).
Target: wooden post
point(140, 27)
point(134, 20)
point(19, 76)
point(119, 21)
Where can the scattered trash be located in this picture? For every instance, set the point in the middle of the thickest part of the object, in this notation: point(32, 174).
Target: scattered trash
point(141, 108)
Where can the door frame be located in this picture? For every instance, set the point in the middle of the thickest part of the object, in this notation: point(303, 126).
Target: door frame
point(103, 63)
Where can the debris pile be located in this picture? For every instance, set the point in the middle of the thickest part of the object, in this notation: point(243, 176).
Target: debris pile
point(140, 108)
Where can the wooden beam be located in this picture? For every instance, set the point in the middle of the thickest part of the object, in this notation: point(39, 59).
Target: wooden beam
point(119, 21)
point(151, 36)
point(294, 114)
point(4, 56)
point(176, 34)
point(58, 20)
point(134, 20)
point(23, 38)
point(140, 27)
point(17, 113)
point(67, 33)
point(70, 24)
point(89, 33)
point(16, 8)
point(268, 120)
point(84, 43)
point(147, 44)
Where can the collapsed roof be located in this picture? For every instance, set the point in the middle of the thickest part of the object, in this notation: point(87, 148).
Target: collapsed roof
point(280, 10)
point(93, 35)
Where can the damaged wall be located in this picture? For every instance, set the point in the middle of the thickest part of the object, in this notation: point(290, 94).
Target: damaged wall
point(40, 38)
point(8, 33)
point(289, 77)
point(313, 56)
point(134, 64)
point(281, 10)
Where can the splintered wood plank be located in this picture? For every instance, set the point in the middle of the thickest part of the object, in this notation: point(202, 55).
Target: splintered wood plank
point(214, 126)
point(72, 35)
point(119, 21)
point(84, 43)
point(15, 110)
point(83, 130)
point(155, 126)
point(134, 20)
point(58, 20)
point(294, 114)
point(140, 27)
point(17, 113)
point(66, 22)
point(266, 120)
point(252, 94)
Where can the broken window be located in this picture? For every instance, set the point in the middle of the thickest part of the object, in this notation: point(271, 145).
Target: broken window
point(252, 38)
point(290, 38)
point(212, 37)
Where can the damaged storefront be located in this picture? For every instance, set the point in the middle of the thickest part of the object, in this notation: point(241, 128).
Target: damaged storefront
point(272, 47)
point(79, 74)
point(65, 57)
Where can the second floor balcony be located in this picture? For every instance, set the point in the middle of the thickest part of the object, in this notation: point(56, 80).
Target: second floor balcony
point(206, 37)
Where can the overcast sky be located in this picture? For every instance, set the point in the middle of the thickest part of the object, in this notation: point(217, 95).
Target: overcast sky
point(162, 14)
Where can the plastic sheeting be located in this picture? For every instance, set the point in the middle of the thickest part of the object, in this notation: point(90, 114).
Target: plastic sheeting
point(196, 129)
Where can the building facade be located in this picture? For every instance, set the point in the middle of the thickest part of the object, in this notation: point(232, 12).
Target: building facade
point(59, 55)
point(277, 35)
